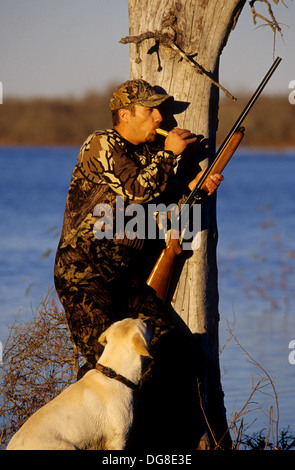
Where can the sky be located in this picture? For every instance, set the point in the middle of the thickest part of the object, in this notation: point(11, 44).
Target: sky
point(70, 47)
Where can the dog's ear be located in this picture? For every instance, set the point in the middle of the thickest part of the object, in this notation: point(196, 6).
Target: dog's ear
point(139, 344)
point(103, 338)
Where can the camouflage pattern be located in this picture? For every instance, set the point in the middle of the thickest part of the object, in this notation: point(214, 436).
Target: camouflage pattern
point(136, 92)
point(102, 281)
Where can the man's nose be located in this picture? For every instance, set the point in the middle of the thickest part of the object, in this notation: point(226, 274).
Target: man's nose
point(157, 115)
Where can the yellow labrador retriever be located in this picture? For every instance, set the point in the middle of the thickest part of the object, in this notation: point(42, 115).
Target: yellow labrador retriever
point(97, 411)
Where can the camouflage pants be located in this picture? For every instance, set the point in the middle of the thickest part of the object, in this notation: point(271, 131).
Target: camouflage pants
point(93, 303)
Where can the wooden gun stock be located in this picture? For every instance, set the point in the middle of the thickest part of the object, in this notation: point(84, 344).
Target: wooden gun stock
point(160, 276)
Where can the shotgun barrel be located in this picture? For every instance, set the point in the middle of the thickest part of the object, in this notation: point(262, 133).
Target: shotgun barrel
point(194, 194)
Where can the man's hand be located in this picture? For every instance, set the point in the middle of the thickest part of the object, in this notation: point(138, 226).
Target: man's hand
point(211, 183)
point(177, 140)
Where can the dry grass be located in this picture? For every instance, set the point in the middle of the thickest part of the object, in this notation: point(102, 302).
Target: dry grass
point(39, 361)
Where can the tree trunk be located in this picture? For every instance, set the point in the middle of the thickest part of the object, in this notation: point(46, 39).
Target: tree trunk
point(200, 28)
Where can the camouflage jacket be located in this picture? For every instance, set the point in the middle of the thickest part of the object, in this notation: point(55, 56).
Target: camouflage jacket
point(107, 166)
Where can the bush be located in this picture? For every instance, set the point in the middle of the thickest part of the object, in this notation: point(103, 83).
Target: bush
point(39, 361)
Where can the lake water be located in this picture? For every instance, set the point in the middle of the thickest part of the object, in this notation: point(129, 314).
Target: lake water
point(256, 259)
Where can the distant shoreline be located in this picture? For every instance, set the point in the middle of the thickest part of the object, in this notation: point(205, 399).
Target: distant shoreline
point(68, 121)
point(280, 149)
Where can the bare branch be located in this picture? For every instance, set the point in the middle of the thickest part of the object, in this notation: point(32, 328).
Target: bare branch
point(272, 22)
point(268, 21)
point(266, 380)
point(166, 40)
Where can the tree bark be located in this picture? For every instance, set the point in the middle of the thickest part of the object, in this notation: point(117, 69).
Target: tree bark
point(200, 28)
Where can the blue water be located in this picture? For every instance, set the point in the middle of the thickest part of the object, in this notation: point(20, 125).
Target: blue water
point(256, 260)
point(33, 190)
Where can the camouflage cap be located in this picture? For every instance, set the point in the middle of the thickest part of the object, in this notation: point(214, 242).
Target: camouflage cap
point(136, 92)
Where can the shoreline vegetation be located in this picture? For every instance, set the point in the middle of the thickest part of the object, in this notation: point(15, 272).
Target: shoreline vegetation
point(69, 120)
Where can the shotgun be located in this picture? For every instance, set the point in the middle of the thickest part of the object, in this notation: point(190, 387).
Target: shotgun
point(160, 276)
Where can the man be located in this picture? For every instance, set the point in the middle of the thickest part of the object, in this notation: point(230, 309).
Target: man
point(100, 281)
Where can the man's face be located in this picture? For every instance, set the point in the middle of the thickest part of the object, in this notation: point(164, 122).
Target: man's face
point(143, 123)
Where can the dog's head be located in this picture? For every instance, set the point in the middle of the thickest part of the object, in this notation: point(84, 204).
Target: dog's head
point(131, 332)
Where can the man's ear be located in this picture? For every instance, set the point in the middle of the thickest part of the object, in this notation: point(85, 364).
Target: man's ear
point(124, 114)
